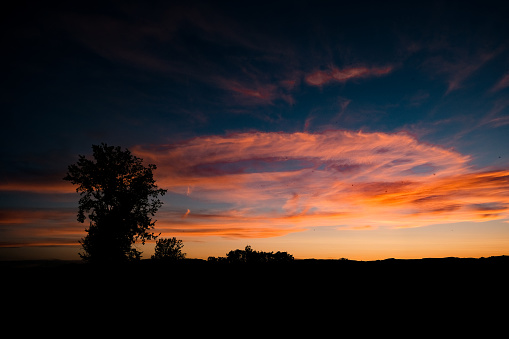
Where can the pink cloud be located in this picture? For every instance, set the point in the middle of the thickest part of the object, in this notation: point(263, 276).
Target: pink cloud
point(502, 83)
point(319, 78)
point(276, 183)
point(256, 92)
point(264, 94)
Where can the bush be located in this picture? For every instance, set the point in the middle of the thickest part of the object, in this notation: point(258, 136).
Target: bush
point(169, 249)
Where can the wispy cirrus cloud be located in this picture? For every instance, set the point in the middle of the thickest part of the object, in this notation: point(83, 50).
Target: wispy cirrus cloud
point(320, 77)
point(123, 38)
point(459, 65)
point(277, 183)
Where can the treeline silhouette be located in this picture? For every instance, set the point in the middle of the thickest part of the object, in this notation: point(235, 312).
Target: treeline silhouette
point(185, 284)
point(250, 256)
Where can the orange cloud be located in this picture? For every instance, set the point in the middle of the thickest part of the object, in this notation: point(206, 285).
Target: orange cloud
point(277, 183)
point(319, 78)
point(39, 187)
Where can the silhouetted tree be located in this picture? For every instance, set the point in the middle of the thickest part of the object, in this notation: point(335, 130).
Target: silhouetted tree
point(169, 249)
point(119, 196)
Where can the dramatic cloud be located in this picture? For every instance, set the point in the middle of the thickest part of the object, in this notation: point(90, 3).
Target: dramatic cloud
point(320, 78)
point(255, 185)
point(276, 183)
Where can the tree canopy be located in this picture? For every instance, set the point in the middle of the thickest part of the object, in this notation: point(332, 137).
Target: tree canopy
point(119, 196)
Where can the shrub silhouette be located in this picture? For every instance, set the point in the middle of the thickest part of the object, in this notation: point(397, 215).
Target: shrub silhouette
point(119, 196)
point(169, 250)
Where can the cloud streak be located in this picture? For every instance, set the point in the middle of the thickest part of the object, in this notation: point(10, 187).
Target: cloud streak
point(254, 92)
point(39, 227)
point(334, 74)
point(278, 183)
point(502, 83)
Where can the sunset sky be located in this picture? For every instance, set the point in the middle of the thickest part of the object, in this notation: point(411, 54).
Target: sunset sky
point(327, 129)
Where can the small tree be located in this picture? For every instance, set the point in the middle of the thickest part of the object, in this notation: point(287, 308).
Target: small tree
point(119, 196)
point(169, 249)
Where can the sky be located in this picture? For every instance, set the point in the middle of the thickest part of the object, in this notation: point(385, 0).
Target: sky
point(328, 129)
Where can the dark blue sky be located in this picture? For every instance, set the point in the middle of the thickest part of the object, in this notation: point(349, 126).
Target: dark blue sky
point(136, 74)
point(131, 73)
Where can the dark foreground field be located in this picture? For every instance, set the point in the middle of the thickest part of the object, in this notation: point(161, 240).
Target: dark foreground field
point(336, 290)
point(196, 273)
